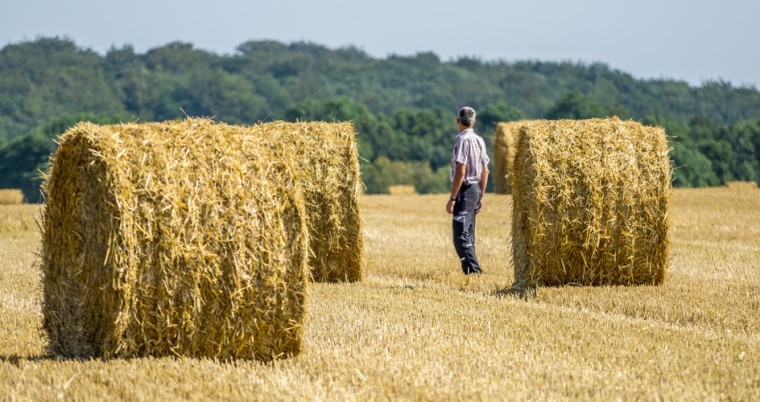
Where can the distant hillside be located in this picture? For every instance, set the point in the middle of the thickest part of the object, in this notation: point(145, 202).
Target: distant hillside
point(402, 105)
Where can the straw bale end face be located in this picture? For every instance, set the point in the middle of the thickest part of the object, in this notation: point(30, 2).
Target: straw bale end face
point(741, 185)
point(328, 164)
point(180, 238)
point(11, 196)
point(402, 190)
point(591, 203)
point(504, 155)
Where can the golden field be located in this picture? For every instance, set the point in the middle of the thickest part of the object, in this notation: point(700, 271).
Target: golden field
point(417, 329)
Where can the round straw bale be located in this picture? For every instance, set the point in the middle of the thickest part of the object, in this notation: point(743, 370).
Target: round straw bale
point(503, 156)
point(401, 189)
point(180, 238)
point(741, 185)
point(11, 196)
point(328, 164)
point(591, 203)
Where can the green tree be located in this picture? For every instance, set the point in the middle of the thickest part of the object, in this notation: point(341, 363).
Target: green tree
point(691, 168)
point(424, 135)
point(721, 157)
point(178, 57)
point(575, 105)
point(218, 94)
point(49, 77)
point(744, 139)
point(383, 173)
point(498, 112)
point(22, 163)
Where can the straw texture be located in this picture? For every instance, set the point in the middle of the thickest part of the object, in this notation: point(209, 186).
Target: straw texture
point(327, 161)
point(504, 155)
point(741, 185)
point(180, 238)
point(11, 196)
point(402, 190)
point(591, 203)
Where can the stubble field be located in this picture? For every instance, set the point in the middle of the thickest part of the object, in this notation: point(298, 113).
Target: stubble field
point(417, 329)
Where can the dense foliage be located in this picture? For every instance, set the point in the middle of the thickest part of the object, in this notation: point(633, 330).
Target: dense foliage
point(403, 106)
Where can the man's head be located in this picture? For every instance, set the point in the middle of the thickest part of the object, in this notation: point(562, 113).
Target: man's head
point(466, 116)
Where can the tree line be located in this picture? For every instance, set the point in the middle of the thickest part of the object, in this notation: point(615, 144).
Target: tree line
point(403, 106)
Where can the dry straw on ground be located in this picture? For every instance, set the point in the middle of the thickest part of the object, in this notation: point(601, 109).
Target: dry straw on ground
point(504, 155)
point(741, 185)
point(402, 190)
point(591, 203)
point(11, 196)
point(328, 162)
point(179, 238)
point(416, 320)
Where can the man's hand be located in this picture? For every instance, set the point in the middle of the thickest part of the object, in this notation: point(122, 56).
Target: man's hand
point(450, 206)
point(480, 206)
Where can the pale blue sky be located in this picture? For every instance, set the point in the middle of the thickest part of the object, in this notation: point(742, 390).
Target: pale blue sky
point(687, 40)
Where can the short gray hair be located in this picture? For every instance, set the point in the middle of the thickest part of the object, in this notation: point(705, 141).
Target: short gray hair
point(466, 116)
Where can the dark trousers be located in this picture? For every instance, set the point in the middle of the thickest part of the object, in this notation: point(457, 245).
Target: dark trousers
point(463, 225)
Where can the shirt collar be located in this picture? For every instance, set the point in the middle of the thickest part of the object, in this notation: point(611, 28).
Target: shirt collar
point(466, 131)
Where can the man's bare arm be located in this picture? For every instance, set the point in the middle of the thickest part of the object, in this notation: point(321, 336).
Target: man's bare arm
point(459, 173)
point(483, 180)
point(482, 185)
point(458, 179)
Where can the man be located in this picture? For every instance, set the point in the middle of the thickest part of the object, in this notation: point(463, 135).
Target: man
point(469, 175)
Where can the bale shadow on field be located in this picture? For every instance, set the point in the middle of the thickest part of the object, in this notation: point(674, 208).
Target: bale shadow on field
point(518, 290)
point(16, 360)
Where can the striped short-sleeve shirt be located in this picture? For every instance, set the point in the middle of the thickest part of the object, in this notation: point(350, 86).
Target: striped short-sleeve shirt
point(469, 150)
